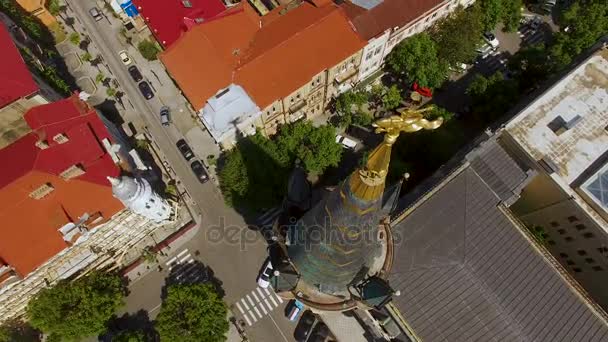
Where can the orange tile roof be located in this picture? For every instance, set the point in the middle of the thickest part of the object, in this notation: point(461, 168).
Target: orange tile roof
point(269, 56)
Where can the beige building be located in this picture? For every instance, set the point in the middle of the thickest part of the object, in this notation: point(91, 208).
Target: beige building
point(38, 8)
point(563, 135)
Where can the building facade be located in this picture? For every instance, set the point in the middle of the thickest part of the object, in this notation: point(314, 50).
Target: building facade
point(563, 135)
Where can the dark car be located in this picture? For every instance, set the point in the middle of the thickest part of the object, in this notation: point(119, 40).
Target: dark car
point(319, 333)
point(199, 171)
point(165, 116)
point(145, 89)
point(135, 74)
point(304, 326)
point(185, 149)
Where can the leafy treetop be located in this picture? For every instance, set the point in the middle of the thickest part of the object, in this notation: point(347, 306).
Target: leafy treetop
point(192, 313)
point(72, 310)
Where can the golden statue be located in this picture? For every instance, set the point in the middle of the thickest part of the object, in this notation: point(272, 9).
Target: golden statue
point(368, 182)
point(410, 120)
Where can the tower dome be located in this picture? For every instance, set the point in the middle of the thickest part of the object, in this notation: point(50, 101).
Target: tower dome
point(137, 195)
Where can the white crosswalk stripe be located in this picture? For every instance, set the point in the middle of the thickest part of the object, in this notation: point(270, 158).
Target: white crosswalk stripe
point(257, 304)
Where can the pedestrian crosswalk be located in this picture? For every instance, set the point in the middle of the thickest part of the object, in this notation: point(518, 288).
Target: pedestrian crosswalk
point(257, 304)
point(184, 269)
point(269, 217)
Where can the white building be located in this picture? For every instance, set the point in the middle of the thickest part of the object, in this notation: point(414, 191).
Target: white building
point(138, 196)
point(563, 134)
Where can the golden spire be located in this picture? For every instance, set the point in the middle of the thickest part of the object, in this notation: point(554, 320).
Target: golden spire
point(368, 183)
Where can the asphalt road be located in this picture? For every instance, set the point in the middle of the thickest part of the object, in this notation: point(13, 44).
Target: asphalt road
point(235, 255)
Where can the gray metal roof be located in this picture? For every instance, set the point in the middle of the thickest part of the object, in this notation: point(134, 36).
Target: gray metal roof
point(466, 273)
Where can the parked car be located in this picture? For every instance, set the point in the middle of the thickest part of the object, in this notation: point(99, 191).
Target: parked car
point(304, 327)
point(346, 142)
point(94, 12)
point(135, 74)
point(199, 170)
point(145, 89)
point(184, 149)
point(459, 67)
point(124, 57)
point(165, 116)
point(294, 308)
point(485, 51)
point(264, 277)
point(491, 39)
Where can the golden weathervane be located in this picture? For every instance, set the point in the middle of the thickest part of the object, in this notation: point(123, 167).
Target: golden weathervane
point(409, 120)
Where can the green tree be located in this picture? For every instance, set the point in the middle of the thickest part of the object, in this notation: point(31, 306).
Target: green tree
point(73, 310)
point(587, 22)
point(148, 50)
point(492, 13)
point(18, 331)
point(129, 336)
point(458, 35)
point(74, 38)
point(100, 77)
point(316, 147)
point(53, 7)
point(493, 96)
point(349, 106)
point(86, 57)
point(511, 15)
point(417, 59)
point(111, 92)
point(440, 112)
point(391, 99)
point(192, 313)
point(531, 66)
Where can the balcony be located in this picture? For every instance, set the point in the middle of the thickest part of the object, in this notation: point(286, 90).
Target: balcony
point(346, 75)
point(297, 106)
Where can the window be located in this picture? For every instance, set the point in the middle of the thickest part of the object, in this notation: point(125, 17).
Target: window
point(597, 187)
point(561, 231)
point(569, 239)
point(589, 260)
point(597, 268)
point(580, 227)
point(369, 55)
point(554, 224)
point(291, 100)
point(588, 235)
point(577, 270)
point(378, 50)
point(435, 15)
point(572, 219)
point(570, 262)
point(427, 19)
point(563, 255)
point(298, 96)
point(274, 109)
point(581, 252)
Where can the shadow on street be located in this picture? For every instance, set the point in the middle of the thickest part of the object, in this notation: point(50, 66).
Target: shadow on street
point(137, 322)
point(193, 272)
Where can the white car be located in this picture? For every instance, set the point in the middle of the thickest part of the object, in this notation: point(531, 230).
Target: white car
point(124, 57)
point(264, 277)
point(485, 51)
point(491, 39)
point(346, 142)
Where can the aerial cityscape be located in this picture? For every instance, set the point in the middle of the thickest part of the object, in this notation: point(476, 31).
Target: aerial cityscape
point(303, 170)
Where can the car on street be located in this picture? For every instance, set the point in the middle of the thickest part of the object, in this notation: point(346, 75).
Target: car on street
point(184, 149)
point(264, 277)
point(304, 327)
point(135, 74)
point(124, 57)
point(294, 308)
point(485, 51)
point(346, 142)
point(165, 116)
point(145, 89)
point(491, 39)
point(94, 12)
point(199, 171)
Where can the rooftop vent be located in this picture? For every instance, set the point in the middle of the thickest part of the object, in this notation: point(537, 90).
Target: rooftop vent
point(42, 191)
point(187, 3)
point(61, 138)
point(72, 172)
point(42, 144)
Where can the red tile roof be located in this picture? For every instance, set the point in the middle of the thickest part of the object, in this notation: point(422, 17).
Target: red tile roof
point(168, 19)
point(270, 56)
point(17, 82)
point(386, 15)
point(29, 226)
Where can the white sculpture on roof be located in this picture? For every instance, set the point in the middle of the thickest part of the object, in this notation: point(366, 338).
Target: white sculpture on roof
point(138, 196)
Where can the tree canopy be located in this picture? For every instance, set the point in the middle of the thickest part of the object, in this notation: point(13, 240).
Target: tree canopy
point(148, 49)
point(72, 310)
point(254, 173)
point(458, 35)
point(391, 98)
point(417, 59)
point(129, 336)
point(192, 313)
point(349, 106)
point(492, 96)
point(506, 11)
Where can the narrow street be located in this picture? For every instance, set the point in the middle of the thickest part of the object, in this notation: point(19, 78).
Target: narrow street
point(235, 259)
